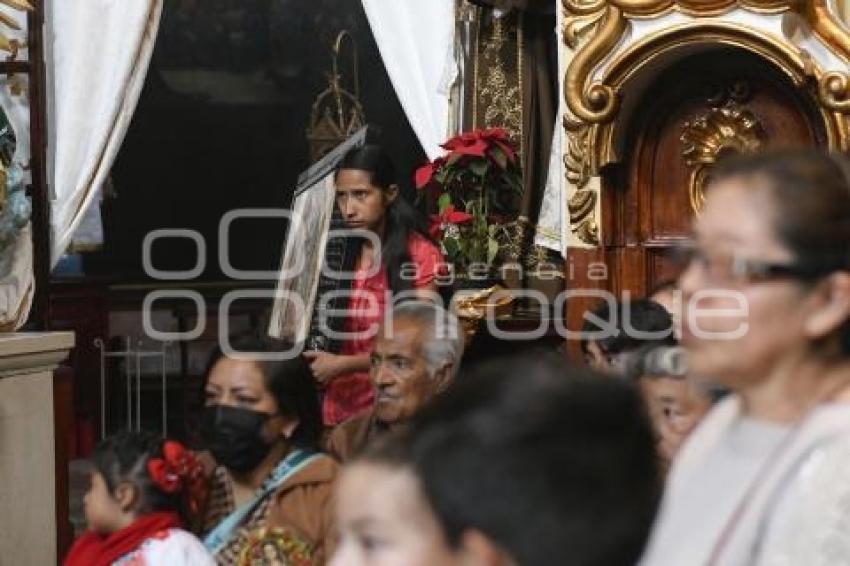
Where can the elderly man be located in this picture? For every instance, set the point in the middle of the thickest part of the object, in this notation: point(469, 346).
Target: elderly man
point(417, 354)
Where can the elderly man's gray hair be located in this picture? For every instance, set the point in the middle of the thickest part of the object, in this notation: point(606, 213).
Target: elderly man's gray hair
point(444, 340)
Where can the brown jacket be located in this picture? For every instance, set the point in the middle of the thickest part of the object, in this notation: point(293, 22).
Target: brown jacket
point(303, 505)
point(306, 502)
point(351, 436)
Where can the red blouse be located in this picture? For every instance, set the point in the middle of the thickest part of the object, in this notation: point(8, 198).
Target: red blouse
point(353, 393)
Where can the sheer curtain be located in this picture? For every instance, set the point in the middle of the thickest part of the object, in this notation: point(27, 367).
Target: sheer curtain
point(416, 41)
point(98, 55)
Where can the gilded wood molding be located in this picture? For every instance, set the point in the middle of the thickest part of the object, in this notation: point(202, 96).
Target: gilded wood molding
point(712, 134)
point(593, 28)
point(595, 102)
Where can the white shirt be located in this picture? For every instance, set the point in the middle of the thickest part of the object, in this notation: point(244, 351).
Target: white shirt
point(763, 472)
point(175, 547)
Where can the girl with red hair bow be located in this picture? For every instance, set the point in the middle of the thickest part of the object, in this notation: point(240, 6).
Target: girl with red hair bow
point(141, 489)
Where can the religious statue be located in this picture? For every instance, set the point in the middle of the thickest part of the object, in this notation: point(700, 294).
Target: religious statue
point(16, 275)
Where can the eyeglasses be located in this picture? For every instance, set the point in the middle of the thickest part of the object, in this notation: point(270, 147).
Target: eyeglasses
point(740, 271)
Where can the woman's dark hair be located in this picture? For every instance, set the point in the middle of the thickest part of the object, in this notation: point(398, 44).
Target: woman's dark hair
point(402, 219)
point(553, 463)
point(289, 381)
point(123, 458)
point(644, 316)
point(811, 192)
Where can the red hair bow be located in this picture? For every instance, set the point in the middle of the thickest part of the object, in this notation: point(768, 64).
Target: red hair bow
point(179, 468)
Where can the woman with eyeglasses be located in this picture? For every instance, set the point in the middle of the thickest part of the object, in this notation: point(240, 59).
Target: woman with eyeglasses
point(765, 479)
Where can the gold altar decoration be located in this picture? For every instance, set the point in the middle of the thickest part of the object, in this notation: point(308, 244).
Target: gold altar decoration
point(715, 133)
point(594, 30)
point(473, 307)
point(6, 44)
point(337, 113)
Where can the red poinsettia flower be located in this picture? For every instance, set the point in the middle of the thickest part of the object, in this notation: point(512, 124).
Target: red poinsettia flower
point(461, 140)
point(500, 137)
point(478, 148)
point(469, 143)
point(450, 215)
point(425, 175)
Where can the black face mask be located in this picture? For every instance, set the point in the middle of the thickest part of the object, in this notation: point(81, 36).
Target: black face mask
point(234, 435)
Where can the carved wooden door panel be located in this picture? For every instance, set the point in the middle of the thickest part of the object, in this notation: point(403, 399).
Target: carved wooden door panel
point(704, 107)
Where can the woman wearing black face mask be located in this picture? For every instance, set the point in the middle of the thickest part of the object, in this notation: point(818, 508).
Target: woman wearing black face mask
point(262, 423)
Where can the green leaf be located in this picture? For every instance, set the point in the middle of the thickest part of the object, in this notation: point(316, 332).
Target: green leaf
point(515, 182)
point(444, 202)
point(452, 247)
point(449, 177)
point(492, 250)
point(499, 157)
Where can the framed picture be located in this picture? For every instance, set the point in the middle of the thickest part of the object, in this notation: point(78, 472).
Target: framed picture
point(302, 276)
point(301, 265)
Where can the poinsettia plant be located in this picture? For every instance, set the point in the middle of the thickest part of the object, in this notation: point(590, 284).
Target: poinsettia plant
point(476, 185)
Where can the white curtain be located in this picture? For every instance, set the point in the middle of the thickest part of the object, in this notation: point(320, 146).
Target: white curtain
point(98, 55)
point(554, 230)
point(416, 40)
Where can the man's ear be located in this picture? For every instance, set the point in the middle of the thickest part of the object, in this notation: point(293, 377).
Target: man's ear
point(833, 307)
point(127, 495)
point(476, 549)
point(443, 377)
point(391, 193)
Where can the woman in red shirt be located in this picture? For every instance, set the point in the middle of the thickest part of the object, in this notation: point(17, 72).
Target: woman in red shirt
point(369, 199)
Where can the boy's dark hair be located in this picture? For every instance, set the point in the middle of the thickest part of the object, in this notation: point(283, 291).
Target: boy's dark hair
point(552, 463)
point(289, 381)
point(644, 315)
point(123, 458)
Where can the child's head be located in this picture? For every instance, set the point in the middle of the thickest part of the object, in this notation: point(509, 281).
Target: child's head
point(134, 474)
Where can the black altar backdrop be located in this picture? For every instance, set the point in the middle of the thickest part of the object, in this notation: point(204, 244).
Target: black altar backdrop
point(221, 125)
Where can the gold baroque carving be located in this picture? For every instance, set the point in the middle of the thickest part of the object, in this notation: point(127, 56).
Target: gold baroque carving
point(582, 204)
point(712, 134)
point(592, 28)
point(587, 231)
point(834, 91)
point(607, 21)
point(824, 24)
point(795, 64)
point(596, 102)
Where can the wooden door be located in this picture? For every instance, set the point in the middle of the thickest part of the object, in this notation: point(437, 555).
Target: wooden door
point(705, 107)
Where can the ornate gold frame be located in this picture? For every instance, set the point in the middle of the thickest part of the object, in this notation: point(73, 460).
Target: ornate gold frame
point(593, 28)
